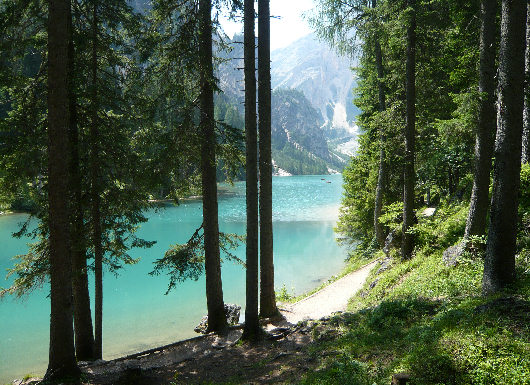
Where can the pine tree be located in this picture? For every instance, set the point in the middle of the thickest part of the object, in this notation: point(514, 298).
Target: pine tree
point(381, 177)
point(84, 336)
point(252, 327)
point(267, 296)
point(499, 264)
point(410, 136)
point(476, 221)
point(214, 288)
point(526, 123)
point(62, 362)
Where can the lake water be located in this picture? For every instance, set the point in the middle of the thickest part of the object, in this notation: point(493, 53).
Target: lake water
point(137, 315)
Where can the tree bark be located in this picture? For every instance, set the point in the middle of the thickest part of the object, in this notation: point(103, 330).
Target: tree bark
point(62, 362)
point(526, 129)
point(252, 328)
point(378, 227)
point(95, 192)
point(410, 133)
point(84, 337)
point(214, 288)
point(485, 137)
point(267, 296)
point(499, 264)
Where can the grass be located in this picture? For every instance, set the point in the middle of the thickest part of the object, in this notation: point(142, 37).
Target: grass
point(431, 321)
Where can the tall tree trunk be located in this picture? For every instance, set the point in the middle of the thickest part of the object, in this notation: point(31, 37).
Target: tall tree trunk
point(214, 288)
point(62, 362)
point(379, 229)
point(267, 297)
point(95, 191)
point(410, 134)
point(526, 127)
point(252, 328)
point(499, 265)
point(478, 209)
point(84, 337)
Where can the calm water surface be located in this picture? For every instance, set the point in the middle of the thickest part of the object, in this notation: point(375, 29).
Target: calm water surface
point(137, 315)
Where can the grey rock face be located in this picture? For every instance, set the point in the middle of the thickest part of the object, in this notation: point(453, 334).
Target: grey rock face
point(392, 241)
point(232, 318)
point(452, 254)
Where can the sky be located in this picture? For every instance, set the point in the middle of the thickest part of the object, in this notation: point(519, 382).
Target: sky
point(287, 24)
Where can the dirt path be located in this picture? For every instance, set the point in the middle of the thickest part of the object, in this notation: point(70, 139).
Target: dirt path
point(330, 299)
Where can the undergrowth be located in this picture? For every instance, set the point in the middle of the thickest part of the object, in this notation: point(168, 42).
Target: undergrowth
point(429, 320)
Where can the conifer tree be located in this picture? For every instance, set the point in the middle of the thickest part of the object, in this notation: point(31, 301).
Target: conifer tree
point(485, 137)
point(83, 330)
point(499, 264)
point(252, 327)
point(381, 177)
point(526, 123)
point(62, 362)
point(267, 296)
point(410, 135)
point(214, 289)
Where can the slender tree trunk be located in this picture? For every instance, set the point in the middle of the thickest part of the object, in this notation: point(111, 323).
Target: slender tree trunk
point(478, 209)
point(252, 328)
point(214, 288)
point(62, 362)
point(526, 129)
point(267, 297)
point(410, 134)
point(95, 192)
point(499, 265)
point(379, 229)
point(84, 337)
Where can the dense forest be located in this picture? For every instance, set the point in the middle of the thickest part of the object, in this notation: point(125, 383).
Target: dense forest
point(109, 107)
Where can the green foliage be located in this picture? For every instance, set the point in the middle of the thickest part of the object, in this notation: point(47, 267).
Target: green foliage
point(431, 321)
point(391, 217)
point(446, 103)
point(442, 229)
point(523, 238)
point(186, 261)
point(356, 213)
point(283, 295)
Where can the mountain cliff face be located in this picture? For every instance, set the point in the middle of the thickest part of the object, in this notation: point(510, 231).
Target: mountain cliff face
point(312, 109)
point(295, 121)
point(325, 79)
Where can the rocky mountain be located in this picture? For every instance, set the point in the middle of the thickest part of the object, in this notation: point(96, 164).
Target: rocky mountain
point(295, 121)
point(324, 77)
point(312, 109)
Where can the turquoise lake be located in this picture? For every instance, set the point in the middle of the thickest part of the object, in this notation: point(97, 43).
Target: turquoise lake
point(137, 315)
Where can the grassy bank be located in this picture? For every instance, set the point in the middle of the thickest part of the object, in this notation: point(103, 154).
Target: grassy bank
point(429, 320)
point(284, 296)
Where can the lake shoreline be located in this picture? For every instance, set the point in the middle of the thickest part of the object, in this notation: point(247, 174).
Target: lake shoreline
point(306, 255)
point(196, 348)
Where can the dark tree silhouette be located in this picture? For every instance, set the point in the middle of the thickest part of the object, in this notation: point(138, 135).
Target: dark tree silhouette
point(252, 328)
point(267, 297)
point(526, 124)
point(84, 336)
point(478, 209)
point(410, 136)
point(95, 180)
point(62, 362)
point(381, 177)
point(499, 264)
point(214, 288)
